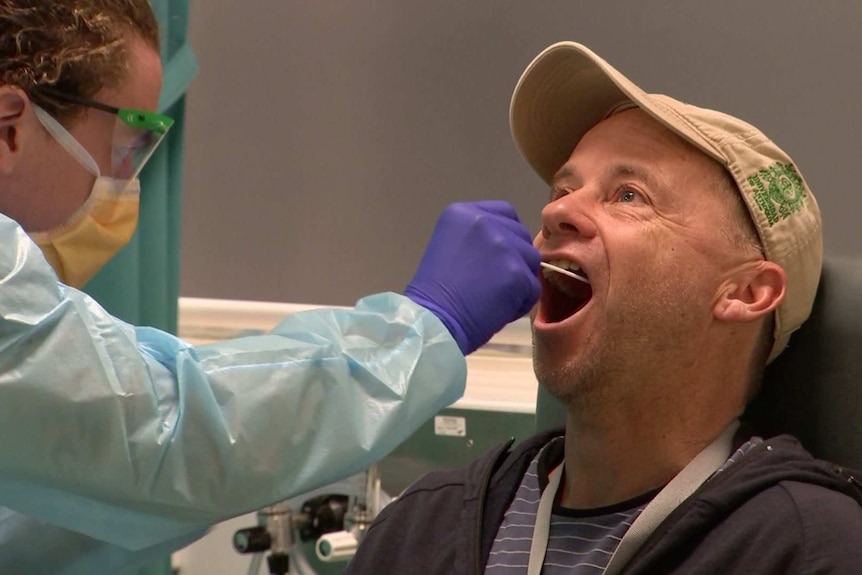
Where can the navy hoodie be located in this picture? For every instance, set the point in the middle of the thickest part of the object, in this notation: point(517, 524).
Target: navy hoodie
point(776, 510)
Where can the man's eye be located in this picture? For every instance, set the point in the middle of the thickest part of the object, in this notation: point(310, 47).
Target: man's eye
point(629, 196)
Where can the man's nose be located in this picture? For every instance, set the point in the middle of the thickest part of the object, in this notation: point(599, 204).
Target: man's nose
point(568, 216)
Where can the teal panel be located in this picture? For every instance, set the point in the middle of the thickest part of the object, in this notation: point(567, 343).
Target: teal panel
point(141, 284)
point(426, 451)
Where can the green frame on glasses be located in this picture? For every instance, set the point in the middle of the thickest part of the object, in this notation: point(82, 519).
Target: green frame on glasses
point(133, 118)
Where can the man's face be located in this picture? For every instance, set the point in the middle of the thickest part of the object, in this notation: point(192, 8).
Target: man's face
point(637, 209)
point(49, 184)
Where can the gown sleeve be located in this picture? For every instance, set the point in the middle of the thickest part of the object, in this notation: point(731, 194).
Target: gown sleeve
point(132, 436)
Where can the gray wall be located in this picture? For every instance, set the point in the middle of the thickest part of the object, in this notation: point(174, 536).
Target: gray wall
point(325, 137)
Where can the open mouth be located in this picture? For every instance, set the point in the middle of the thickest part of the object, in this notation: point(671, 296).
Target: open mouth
point(563, 296)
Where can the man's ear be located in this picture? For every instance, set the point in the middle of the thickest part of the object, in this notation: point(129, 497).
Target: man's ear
point(751, 293)
point(13, 102)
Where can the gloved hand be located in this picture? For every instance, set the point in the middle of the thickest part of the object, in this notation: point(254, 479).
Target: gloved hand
point(479, 271)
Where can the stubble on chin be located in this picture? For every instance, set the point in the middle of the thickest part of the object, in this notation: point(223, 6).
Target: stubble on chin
point(577, 382)
point(629, 361)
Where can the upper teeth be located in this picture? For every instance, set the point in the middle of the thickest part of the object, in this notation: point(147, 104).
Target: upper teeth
point(565, 264)
point(566, 267)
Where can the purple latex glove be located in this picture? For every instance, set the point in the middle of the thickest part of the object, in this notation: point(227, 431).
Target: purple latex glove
point(479, 272)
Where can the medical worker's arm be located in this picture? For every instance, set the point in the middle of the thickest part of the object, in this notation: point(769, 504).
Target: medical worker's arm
point(29, 546)
point(133, 437)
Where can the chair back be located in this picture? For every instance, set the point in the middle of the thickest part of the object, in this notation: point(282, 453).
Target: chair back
point(813, 390)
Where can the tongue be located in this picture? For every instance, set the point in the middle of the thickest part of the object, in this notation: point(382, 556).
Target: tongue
point(565, 299)
point(574, 287)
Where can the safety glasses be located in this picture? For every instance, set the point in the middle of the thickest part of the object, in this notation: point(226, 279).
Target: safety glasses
point(137, 133)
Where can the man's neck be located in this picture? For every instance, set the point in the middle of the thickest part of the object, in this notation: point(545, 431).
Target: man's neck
point(612, 459)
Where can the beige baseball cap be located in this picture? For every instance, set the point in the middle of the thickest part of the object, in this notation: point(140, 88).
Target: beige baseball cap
point(567, 89)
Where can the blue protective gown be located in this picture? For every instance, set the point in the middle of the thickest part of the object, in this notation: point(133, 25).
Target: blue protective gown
point(136, 440)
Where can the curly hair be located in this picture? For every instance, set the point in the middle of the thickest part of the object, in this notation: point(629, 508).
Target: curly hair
point(74, 46)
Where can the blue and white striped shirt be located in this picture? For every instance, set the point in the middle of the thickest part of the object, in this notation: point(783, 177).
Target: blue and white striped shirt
point(580, 542)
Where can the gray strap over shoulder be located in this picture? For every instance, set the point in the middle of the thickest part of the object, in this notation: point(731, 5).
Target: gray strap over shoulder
point(678, 490)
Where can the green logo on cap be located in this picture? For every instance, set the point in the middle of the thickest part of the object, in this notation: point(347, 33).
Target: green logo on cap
point(778, 191)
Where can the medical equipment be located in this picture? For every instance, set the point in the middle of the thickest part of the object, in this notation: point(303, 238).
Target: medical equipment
point(571, 274)
point(365, 504)
point(335, 522)
point(274, 534)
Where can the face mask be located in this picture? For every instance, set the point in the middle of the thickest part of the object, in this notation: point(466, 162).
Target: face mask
point(78, 248)
point(100, 228)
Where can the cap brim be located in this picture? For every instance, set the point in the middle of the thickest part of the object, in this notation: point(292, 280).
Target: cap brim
point(564, 92)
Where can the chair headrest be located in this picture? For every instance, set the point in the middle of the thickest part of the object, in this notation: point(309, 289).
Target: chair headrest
point(813, 390)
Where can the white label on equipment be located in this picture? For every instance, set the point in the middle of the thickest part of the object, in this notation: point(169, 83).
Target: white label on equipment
point(448, 425)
